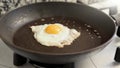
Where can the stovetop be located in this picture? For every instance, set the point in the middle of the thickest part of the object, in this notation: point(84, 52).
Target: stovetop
point(103, 59)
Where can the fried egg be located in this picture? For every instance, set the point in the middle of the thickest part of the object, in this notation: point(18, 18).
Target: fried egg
point(54, 34)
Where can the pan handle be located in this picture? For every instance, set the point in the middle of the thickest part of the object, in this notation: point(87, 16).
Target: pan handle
point(116, 18)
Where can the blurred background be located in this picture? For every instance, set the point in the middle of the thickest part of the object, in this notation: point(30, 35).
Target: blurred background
point(8, 5)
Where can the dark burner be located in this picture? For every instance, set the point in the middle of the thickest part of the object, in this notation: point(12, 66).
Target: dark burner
point(117, 53)
point(20, 60)
point(118, 32)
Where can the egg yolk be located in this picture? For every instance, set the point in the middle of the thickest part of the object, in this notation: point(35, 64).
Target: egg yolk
point(53, 29)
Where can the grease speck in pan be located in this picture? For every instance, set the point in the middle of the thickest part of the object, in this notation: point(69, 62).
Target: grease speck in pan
point(24, 36)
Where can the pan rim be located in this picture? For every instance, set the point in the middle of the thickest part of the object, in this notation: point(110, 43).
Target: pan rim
point(84, 51)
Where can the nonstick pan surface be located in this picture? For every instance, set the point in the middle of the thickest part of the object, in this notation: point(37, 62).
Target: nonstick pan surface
point(96, 28)
point(88, 39)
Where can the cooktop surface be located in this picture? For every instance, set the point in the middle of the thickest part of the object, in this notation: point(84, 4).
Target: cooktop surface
point(103, 59)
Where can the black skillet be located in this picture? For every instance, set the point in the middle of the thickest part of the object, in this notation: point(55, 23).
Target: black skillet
point(97, 30)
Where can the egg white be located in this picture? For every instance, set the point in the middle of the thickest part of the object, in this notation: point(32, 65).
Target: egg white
point(50, 39)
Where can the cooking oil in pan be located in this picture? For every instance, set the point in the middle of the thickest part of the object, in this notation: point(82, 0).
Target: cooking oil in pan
point(89, 38)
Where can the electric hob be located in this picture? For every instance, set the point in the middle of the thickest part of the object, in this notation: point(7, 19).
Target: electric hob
point(103, 59)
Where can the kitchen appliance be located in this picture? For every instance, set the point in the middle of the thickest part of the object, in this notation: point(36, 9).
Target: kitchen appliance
point(35, 62)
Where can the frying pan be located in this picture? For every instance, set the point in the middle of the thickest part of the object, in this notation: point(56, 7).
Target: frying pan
point(97, 30)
